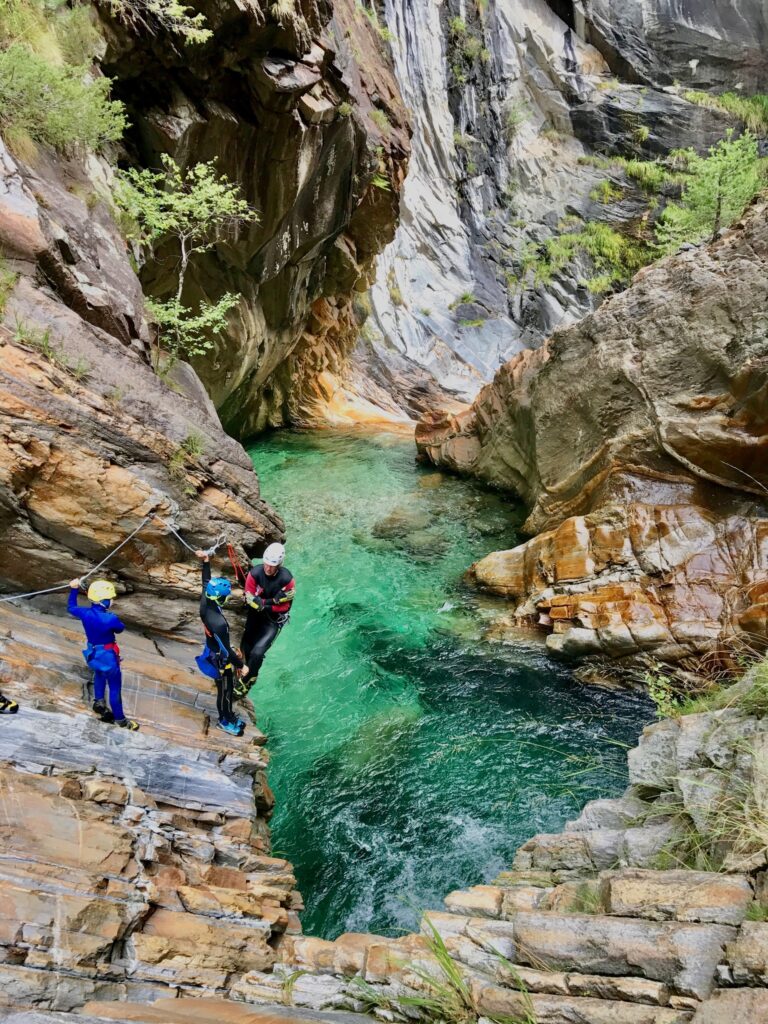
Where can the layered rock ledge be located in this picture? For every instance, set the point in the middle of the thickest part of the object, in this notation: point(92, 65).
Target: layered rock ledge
point(133, 865)
point(637, 437)
point(646, 909)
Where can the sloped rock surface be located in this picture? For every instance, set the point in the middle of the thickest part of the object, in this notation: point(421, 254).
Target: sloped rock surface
point(574, 932)
point(134, 865)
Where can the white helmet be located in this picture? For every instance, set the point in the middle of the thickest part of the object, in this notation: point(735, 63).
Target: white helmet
point(274, 555)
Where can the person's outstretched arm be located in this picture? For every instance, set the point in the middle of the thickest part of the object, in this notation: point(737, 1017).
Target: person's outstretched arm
point(72, 607)
point(205, 572)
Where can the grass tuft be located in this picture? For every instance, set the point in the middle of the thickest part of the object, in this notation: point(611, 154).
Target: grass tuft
point(752, 110)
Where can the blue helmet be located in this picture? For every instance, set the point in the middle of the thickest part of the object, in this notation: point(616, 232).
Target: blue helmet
point(218, 589)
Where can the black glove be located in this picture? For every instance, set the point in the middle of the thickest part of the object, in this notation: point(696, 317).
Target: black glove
point(256, 602)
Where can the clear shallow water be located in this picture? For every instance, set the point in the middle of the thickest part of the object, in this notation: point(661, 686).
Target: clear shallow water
point(410, 757)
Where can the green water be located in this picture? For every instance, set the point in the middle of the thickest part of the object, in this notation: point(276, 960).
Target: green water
point(410, 756)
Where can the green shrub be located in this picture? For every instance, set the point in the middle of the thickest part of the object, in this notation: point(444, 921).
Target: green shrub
point(515, 116)
point(381, 121)
point(7, 283)
point(649, 174)
point(615, 257)
point(606, 192)
point(192, 208)
point(56, 105)
point(457, 27)
point(716, 190)
point(344, 109)
point(173, 17)
point(193, 445)
point(599, 284)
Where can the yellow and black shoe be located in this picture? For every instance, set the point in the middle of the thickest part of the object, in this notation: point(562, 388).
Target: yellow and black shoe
point(8, 706)
point(128, 723)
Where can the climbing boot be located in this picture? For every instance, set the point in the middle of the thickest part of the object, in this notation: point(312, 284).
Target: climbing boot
point(233, 728)
point(8, 706)
point(101, 709)
point(128, 723)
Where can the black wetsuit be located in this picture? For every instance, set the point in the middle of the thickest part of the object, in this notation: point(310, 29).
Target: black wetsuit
point(217, 641)
point(262, 627)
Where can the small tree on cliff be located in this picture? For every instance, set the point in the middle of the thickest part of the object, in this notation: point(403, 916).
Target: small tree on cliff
point(716, 191)
point(192, 209)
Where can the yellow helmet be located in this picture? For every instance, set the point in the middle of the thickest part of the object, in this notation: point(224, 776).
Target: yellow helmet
point(101, 590)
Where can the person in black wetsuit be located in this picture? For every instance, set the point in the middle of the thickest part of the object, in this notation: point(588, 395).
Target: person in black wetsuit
point(219, 650)
point(269, 592)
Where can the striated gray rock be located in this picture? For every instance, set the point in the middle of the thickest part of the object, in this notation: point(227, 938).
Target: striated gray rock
point(133, 863)
point(707, 44)
point(702, 896)
point(682, 956)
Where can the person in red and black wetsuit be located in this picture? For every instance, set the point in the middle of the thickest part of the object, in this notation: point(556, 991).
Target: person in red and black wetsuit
point(269, 592)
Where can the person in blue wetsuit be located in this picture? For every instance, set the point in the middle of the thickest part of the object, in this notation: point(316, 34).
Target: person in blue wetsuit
point(102, 654)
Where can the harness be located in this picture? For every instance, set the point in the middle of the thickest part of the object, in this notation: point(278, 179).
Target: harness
point(212, 663)
point(101, 657)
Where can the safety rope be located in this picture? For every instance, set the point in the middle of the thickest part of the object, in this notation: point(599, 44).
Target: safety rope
point(235, 563)
point(150, 518)
point(221, 539)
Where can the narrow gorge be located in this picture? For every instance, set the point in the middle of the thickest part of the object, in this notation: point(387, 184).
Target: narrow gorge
point(466, 303)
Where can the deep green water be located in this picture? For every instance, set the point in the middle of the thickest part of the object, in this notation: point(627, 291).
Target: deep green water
point(410, 756)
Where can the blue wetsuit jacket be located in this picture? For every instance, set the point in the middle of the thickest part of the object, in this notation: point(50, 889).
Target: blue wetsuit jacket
point(100, 625)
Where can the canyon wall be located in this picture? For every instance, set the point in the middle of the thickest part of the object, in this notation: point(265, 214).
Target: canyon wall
point(637, 437)
point(511, 102)
point(299, 108)
point(298, 105)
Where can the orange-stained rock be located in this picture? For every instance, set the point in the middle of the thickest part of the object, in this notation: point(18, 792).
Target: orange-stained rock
point(676, 582)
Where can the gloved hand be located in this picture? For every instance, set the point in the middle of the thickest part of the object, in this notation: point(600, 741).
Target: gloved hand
point(256, 602)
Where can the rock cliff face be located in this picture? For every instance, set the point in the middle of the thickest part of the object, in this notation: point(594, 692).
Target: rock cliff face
point(92, 440)
point(637, 437)
point(297, 103)
point(510, 99)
